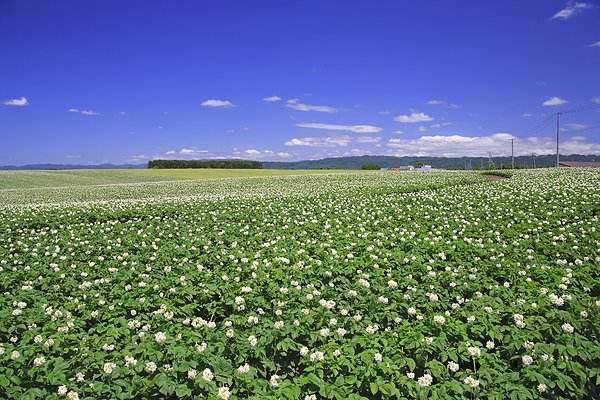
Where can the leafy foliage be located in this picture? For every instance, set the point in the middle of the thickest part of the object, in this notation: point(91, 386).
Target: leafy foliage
point(357, 286)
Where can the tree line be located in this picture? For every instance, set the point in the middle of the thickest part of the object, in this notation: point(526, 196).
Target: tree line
point(224, 164)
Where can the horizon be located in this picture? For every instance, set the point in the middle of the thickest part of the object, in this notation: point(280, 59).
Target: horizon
point(102, 83)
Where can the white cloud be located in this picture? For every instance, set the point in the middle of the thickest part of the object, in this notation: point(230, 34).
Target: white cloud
point(252, 152)
point(440, 125)
point(398, 132)
point(217, 103)
point(20, 102)
point(596, 44)
point(526, 115)
point(84, 112)
point(138, 158)
point(272, 99)
point(479, 146)
point(297, 105)
point(571, 9)
point(554, 101)
point(596, 99)
point(283, 154)
point(336, 127)
point(574, 127)
point(171, 152)
point(368, 139)
point(414, 117)
point(191, 152)
point(330, 141)
point(435, 102)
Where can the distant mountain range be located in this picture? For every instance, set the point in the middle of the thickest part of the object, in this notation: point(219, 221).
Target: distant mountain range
point(356, 162)
point(70, 166)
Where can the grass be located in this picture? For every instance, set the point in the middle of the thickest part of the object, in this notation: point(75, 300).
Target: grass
point(88, 177)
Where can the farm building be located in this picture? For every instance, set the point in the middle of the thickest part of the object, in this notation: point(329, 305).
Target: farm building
point(580, 164)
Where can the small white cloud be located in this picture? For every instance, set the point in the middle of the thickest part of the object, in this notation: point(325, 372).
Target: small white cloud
point(217, 103)
point(283, 154)
point(368, 139)
point(337, 127)
point(272, 99)
point(252, 152)
point(20, 102)
point(574, 127)
point(84, 112)
point(596, 44)
point(171, 152)
point(191, 152)
point(331, 141)
point(138, 158)
point(398, 132)
point(554, 101)
point(295, 104)
point(526, 115)
point(414, 117)
point(435, 102)
point(596, 99)
point(572, 9)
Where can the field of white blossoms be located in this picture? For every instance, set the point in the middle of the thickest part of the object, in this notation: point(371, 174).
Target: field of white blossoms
point(359, 286)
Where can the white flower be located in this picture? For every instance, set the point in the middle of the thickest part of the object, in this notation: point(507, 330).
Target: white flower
point(130, 361)
point(244, 369)
point(474, 351)
point(411, 311)
point(470, 381)
point(223, 393)
point(378, 357)
point(425, 380)
point(109, 367)
point(201, 347)
point(72, 395)
point(252, 340)
point(439, 319)
point(150, 367)
point(341, 332)
point(160, 337)
point(542, 388)
point(410, 375)
point(39, 361)
point(310, 397)
point(567, 327)
point(207, 375)
point(274, 381)
point(191, 374)
point(527, 359)
point(14, 355)
point(304, 351)
point(452, 366)
point(490, 345)
point(62, 390)
point(317, 356)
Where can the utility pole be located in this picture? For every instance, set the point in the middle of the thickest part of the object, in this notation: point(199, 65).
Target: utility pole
point(512, 152)
point(533, 155)
point(557, 139)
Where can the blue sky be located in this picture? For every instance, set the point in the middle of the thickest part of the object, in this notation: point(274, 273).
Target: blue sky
point(115, 81)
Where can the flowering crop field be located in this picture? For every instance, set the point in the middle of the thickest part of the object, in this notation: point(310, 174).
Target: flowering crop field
point(18, 180)
point(356, 286)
